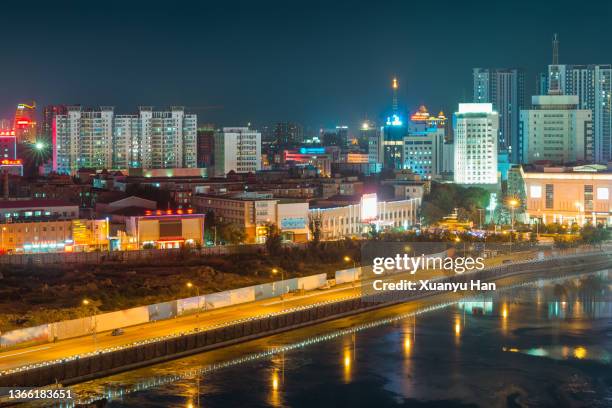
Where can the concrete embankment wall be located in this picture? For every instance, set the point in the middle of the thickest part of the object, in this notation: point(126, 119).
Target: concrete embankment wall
point(159, 311)
point(75, 370)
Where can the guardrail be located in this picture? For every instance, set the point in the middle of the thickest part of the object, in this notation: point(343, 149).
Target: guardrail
point(105, 362)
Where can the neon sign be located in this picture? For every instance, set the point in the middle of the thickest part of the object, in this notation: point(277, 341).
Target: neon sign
point(7, 162)
point(394, 120)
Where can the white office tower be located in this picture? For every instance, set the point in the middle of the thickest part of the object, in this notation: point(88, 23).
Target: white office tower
point(556, 130)
point(83, 139)
point(237, 149)
point(167, 138)
point(476, 130)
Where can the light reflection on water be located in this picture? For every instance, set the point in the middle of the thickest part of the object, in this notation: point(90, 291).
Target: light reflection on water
point(485, 351)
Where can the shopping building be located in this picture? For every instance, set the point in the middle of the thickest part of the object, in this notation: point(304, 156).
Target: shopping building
point(360, 218)
point(568, 195)
point(163, 230)
point(54, 236)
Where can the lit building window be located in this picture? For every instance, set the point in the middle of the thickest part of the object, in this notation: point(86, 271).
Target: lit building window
point(535, 192)
point(603, 193)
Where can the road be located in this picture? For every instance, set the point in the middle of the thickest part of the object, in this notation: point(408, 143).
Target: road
point(70, 347)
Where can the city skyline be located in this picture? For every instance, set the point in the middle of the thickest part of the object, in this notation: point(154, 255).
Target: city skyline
point(332, 72)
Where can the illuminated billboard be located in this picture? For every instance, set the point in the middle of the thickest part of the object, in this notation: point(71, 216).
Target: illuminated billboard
point(369, 207)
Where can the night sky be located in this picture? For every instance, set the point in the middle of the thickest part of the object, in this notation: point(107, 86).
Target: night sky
point(313, 62)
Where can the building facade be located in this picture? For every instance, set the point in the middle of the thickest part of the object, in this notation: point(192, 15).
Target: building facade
point(99, 139)
point(54, 236)
point(206, 146)
point(475, 145)
point(569, 195)
point(163, 230)
point(358, 219)
point(237, 149)
point(505, 89)
point(593, 86)
point(556, 130)
point(253, 212)
point(25, 123)
point(424, 144)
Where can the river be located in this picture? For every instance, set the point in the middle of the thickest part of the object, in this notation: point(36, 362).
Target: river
point(546, 344)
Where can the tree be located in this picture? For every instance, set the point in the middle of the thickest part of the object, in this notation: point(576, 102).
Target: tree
point(230, 233)
point(315, 223)
point(594, 235)
point(273, 239)
point(444, 198)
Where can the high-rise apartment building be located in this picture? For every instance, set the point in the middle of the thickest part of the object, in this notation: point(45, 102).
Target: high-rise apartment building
point(556, 130)
point(237, 149)
point(168, 138)
point(505, 89)
point(83, 139)
point(97, 138)
point(476, 127)
point(593, 86)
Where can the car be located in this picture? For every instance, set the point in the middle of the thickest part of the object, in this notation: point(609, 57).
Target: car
point(117, 332)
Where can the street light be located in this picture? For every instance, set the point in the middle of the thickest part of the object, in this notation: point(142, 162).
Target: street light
point(87, 302)
point(274, 272)
point(513, 204)
point(191, 285)
point(348, 259)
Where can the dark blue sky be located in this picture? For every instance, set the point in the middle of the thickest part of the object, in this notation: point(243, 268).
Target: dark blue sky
point(319, 63)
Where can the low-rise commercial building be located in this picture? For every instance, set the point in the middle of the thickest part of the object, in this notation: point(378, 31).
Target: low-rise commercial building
point(163, 230)
point(19, 210)
point(567, 195)
point(253, 211)
point(54, 236)
point(357, 219)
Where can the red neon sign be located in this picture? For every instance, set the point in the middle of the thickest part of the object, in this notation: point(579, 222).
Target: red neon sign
point(7, 162)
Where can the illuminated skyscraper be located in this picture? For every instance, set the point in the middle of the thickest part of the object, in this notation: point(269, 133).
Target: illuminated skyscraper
point(505, 89)
point(593, 86)
point(288, 135)
point(395, 87)
point(424, 143)
point(25, 122)
point(476, 129)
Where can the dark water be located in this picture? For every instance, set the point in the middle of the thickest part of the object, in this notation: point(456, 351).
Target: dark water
point(546, 345)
